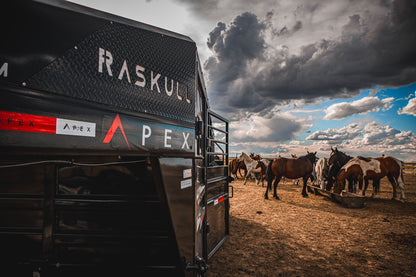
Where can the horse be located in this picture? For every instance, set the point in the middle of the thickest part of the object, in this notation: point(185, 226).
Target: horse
point(336, 160)
point(321, 171)
point(373, 169)
point(262, 164)
point(251, 166)
point(255, 157)
point(233, 167)
point(291, 168)
point(242, 166)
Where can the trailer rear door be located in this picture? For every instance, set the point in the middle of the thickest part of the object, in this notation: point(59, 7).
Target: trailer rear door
point(217, 181)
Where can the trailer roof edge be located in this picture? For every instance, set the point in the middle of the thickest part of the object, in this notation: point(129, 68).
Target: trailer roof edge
point(111, 17)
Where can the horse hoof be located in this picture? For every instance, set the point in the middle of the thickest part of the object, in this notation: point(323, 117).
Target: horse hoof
point(305, 195)
point(277, 197)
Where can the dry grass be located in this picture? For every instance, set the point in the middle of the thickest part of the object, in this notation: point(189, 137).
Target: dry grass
point(313, 236)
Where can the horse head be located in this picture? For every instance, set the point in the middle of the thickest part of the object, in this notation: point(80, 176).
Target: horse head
point(312, 157)
point(338, 186)
point(243, 157)
point(336, 160)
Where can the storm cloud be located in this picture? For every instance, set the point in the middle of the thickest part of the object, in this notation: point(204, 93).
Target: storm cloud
point(253, 69)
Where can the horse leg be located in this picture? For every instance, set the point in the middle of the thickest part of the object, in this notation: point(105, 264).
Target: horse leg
point(247, 175)
point(393, 184)
point(305, 180)
point(349, 185)
point(269, 186)
point(321, 183)
point(365, 186)
point(276, 182)
point(400, 183)
point(376, 184)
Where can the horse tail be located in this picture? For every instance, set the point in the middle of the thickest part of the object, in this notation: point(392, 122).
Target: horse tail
point(269, 172)
point(401, 172)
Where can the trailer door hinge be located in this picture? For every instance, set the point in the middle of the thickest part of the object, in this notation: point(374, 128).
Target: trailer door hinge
point(199, 266)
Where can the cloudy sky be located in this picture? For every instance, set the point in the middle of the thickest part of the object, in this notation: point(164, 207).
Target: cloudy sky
point(298, 75)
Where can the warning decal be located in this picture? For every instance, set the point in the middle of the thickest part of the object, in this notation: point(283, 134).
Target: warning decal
point(218, 200)
point(42, 124)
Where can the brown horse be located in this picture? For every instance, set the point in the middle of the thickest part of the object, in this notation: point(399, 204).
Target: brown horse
point(241, 166)
point(255, 157)
point(372, 169)
point(290, 168)
point(235, 166)
point(232, 167)
point(262, 173)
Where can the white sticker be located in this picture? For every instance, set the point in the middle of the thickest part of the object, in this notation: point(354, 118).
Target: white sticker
point(75, 128)
point(186, 183)
point(187, 173)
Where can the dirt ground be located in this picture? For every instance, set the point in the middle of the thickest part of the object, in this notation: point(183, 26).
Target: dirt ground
point(313, 236)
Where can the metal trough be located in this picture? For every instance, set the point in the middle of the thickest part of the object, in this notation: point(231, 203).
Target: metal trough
point(346, 199)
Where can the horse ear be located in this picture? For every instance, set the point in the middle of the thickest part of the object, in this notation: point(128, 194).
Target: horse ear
point(315, 152)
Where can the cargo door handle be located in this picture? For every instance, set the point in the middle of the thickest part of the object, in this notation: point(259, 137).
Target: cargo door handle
point(232, 192)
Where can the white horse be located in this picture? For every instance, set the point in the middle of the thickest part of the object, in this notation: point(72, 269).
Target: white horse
point(321, 170)
point(251, 166)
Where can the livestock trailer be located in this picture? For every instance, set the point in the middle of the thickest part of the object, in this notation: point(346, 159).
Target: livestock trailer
point(111, 161)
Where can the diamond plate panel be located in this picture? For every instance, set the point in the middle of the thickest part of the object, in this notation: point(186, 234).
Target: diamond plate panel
point(76, 73)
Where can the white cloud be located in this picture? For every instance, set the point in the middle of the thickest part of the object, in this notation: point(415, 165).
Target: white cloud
point(410, 108)
point(372, 140)
point(363, 105)
point(337, 135)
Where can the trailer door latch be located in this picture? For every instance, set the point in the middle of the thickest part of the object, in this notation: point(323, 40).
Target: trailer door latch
point(200, 266)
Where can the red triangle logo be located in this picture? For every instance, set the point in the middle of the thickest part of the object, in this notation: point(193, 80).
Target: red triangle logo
point(116, 124)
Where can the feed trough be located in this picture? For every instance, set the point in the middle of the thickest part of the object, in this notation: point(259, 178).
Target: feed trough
point(346, 199)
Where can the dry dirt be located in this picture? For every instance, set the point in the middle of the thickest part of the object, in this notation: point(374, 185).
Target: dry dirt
point(313, 236)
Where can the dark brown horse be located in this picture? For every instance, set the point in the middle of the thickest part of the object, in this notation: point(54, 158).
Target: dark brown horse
point(372, 169)
point(255, 157)
point(262, 173)
point(290, 168)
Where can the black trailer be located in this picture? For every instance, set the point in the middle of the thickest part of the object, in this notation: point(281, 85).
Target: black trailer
point(111, 162)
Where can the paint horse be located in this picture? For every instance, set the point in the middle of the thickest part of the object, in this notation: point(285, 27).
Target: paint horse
point(294, 168)
point(372, 169)
point(250, 165)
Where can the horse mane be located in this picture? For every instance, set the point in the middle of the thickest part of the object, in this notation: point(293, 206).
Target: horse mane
point(364, 159)
point(340, 152)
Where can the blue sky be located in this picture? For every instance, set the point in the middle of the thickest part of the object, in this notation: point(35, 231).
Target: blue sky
point(388, 117)
point(298, 75)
